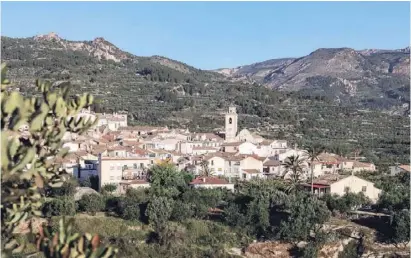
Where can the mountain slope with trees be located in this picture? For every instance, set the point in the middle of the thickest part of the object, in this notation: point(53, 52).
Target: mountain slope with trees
point(160, 91)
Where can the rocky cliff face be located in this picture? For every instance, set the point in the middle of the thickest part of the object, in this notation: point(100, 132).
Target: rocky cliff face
point(99, 47)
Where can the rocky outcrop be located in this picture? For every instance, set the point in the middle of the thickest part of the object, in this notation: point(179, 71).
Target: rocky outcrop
point(334, 72)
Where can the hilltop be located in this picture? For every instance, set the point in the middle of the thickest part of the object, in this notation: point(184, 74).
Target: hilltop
point(375, 78)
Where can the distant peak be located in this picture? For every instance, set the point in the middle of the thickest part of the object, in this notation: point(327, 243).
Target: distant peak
point(50, 36)
point(99, 39)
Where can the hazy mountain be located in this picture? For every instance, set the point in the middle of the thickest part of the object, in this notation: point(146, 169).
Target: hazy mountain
point(369, 76)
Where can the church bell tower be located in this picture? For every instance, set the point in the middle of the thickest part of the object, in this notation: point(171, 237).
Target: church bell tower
point(231, 120)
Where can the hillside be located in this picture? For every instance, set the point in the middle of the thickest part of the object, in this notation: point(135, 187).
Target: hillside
point(160, 91)
point(372, 78)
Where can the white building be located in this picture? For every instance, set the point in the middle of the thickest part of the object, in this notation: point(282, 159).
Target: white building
point(339, 185)
point(211, 182)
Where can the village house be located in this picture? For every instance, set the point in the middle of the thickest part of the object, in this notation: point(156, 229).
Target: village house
point(272, 168)
point(87, 166)
point(395, 170)
point(112, 121)
point(341, 184)
point(115, 170)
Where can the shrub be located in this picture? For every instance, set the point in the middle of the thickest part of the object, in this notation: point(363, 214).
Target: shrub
point(60, 206)
point(109, 188)
point(131, 212)
point(182, 211)
point(91, 203)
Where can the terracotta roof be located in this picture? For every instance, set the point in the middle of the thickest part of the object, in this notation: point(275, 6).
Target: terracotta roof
point(176, 153)
point(358, 164)
point(405, 167)
point(256, 157)
point(123, 158)
point(232, 144)
point(272, 162)
point(329, 179)
point(204, 148)
point(251, 171)
point(266, 142)
point(142, 128)
point(119, 147)
point(80, 153)
point(208, 181)
point(207, 136)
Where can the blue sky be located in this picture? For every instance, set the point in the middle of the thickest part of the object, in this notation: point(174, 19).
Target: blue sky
point(211, 35)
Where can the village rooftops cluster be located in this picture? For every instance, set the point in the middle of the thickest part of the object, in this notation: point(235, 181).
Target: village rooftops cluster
point(121, 154)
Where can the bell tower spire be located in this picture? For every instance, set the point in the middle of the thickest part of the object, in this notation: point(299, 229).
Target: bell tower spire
point(231, 124)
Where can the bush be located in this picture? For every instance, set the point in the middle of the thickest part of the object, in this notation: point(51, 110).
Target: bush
point(401, 227)
point(233, 217)
point(131, 212)
point(91, 203)
point(159, 211)
point(109, 188)
point(182, 211)
point(60, 206)
point(67, 189)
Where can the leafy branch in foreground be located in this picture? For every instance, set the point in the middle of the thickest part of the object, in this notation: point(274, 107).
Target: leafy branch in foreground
point(32, 129)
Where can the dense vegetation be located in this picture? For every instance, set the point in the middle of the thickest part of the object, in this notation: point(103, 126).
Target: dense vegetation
point(173, 220)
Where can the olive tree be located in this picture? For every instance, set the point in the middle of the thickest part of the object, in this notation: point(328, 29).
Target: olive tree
point(32, 129)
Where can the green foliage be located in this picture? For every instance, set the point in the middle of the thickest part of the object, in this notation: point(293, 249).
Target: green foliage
point(159, 211)
point(306, 214)
point(28, 158)
point(294, 167)
point(60, 206)
point(401, 227)
point(109, 188)
point(345, 203)
point(182, 211)
point(233, 217)
point(91, 203)
point(131, 212)
point(166, 180)
point(67, 189)
point(65, 243)
point(201, 200)
point(396, 193)
point(91, 181)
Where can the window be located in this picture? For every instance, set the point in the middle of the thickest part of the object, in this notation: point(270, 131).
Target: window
point(346, 189)
point(244, 176)
point(220, 169)
point(135, 165)
point(141, 165)
point(230, 120)
point(212, 163)
point(364, 189)
point(112, 178)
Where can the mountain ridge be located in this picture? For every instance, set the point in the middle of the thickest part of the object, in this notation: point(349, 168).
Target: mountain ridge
point(374, 78)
